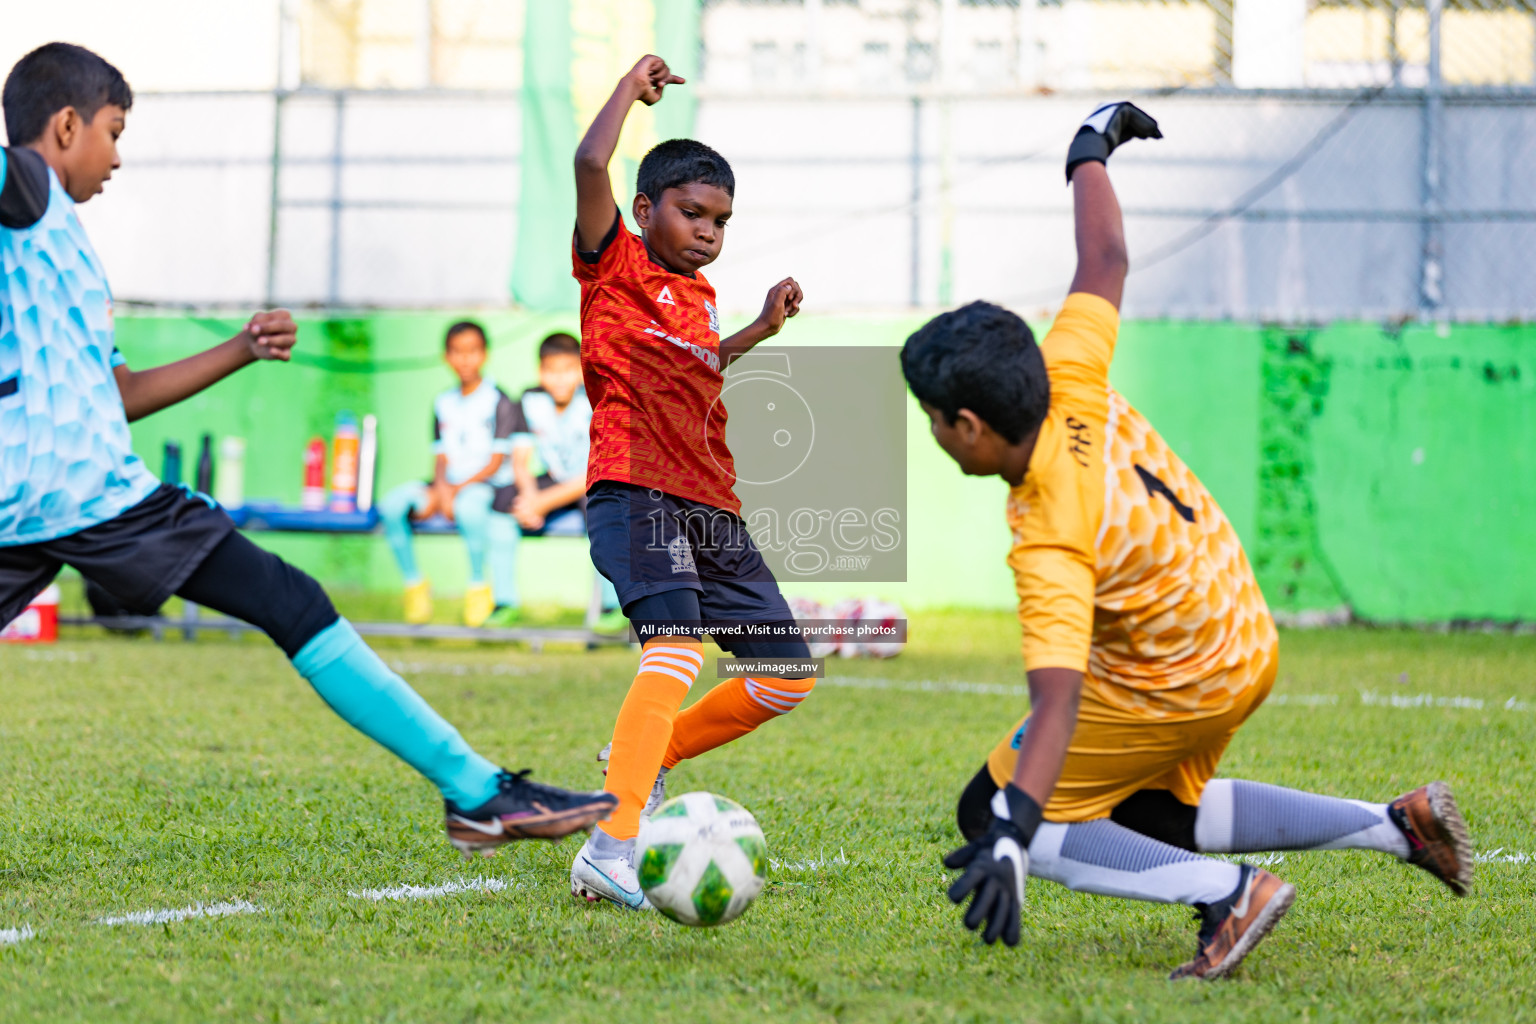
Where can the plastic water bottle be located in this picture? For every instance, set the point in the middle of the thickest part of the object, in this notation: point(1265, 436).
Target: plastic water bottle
point(367, 462)
point(344, 450)
point(205, 465)
point(170, 468)
point(314, 476)
point(229, 481)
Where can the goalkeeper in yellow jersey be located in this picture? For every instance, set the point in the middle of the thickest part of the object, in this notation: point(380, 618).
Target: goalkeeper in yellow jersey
point(1146, 640)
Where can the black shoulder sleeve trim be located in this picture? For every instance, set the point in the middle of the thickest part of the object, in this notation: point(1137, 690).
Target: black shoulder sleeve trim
point(509, 416)
point(602, 247)
point(24, 195)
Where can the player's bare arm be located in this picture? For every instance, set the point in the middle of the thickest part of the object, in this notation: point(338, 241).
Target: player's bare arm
point(1054, 694)
point(1102, 262)
point(486, 472)
point(782, 303)
point(267, 336)
point(532, 504)
point(594, 193)
point(1101, 257)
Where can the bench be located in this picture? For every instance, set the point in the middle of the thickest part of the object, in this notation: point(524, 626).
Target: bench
point(273, 517)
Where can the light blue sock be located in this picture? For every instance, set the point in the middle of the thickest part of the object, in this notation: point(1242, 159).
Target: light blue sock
point(395, 513)
point(504, 535)
point(471, 513)
point(376, 702)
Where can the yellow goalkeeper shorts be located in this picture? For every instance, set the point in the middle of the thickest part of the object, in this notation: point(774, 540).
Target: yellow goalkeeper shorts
point(1113, 753)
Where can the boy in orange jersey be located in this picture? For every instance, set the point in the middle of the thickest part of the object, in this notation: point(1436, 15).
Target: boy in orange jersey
point(1146, 640)
point(663, 520)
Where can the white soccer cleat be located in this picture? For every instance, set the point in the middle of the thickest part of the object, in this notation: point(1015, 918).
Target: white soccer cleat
point(595, 878)
point(658, 790)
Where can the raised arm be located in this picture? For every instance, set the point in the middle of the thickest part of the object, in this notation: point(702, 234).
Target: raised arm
point(1101, 257)
point(783, 302)
point(267, 336)
point(595, 205)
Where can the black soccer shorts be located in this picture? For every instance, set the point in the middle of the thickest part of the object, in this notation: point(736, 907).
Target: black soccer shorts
point(142, 556)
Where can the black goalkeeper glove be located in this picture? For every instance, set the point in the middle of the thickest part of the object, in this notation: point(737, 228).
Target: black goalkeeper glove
point(1106, 128)
point(995, 867)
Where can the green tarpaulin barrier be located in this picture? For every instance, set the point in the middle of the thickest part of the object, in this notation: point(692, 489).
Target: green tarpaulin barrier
point(574, 53)
point(1391, 472)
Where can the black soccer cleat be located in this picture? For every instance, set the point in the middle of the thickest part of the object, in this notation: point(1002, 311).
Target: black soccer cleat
point(524, 810)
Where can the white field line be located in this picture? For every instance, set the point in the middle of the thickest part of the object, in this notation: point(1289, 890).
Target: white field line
point(427, 892)
point(11, 936)
point(1308, 700)
point(1501, 856)
point(812, 864)
point(926, 686)
point(1369, 698)
point(442, 668)
point(1262, 860)
point(47, 655)
point(184, 914)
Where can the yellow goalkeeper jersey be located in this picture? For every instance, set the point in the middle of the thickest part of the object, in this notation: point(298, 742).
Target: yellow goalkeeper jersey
point(1125, 566)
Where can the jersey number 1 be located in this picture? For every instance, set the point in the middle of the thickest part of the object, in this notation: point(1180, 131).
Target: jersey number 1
point(1156, 486)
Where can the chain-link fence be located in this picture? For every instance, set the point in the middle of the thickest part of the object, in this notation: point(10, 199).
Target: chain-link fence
point(1323, 159)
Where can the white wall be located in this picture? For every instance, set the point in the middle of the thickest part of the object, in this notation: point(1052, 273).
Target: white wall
point(157, 44)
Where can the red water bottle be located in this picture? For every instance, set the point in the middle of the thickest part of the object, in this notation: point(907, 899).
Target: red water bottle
point(314, 476)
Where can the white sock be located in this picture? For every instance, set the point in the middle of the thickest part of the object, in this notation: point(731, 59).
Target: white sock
point(1110, 860)
point(1237, 816)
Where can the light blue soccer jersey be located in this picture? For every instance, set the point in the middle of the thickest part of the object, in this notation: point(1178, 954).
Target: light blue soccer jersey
point(66, 458)
point(469, 429)
point(563, 439)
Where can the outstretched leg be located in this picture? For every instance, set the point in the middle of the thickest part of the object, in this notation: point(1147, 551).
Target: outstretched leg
point(669, 664)
point(1423, 827)
point(486, 805)
point(737, 706)
point(1237, 904)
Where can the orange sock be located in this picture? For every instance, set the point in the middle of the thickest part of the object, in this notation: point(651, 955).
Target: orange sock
point(732, 709)
point(668, 667)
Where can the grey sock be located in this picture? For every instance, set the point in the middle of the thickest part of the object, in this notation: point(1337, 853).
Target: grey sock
point(604, 845)
point(1237, 816)
point(1111, 860)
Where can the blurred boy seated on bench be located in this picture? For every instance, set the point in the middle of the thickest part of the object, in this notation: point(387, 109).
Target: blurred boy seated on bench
point(483, 479)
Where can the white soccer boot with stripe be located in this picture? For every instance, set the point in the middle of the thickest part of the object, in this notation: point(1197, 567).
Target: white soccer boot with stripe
point(658, 790)
point(603, 870)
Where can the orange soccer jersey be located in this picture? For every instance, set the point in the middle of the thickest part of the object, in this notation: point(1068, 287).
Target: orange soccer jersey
point(650, 358)
point(1125, 566)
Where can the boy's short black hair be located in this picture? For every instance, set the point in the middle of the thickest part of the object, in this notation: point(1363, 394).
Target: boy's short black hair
point(679, 162)
point(462, 326)
point(983, 358)
point(559, 344)
point(55, 76)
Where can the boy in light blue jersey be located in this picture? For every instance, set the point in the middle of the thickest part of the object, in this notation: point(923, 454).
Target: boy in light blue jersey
point(472, 427)
point(73, 493)
point(555, 434)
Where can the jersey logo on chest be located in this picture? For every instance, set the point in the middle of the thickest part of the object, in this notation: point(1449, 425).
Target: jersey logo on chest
point(666, 296)
point(699, 352)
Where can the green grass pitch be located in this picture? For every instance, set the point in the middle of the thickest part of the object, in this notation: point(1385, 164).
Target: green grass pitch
point(155, 776)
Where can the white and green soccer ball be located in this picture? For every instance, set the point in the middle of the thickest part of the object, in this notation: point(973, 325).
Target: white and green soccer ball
point(702, 859)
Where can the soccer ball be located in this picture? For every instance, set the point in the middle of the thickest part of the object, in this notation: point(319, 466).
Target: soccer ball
point(870, 613)
point(702, 859)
